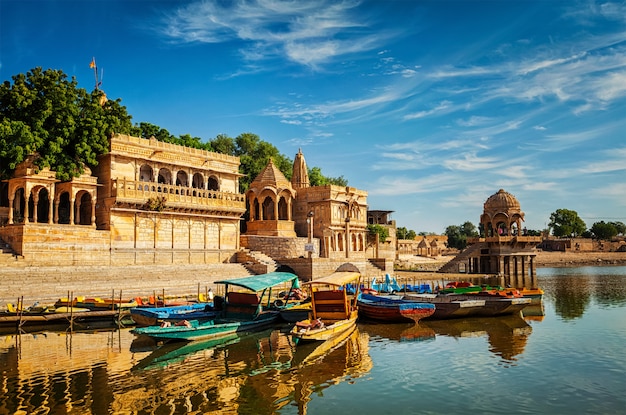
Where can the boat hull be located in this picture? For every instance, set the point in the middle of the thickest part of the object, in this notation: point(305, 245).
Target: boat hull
point(327, 332)
point(212, 329)
point(151, 316)
point(393, 310)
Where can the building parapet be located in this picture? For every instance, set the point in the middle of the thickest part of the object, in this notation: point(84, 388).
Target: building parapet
point(131, 191)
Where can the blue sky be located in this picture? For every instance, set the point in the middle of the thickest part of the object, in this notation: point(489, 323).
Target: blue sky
point(430, 106)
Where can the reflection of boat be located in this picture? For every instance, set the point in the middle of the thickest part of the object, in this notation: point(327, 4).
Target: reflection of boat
point(333, 311)
point(407, 332)
point(534, 312)
point(151, 316)
point(176, 352)
point(310, 352)
point(393, 310)
point(241, 311)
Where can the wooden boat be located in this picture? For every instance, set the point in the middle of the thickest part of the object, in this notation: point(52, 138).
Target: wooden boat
point(393, 310)
point(464, 287)
point(241, 312)
point(333, 309)
point(152, 316)
point(447, 306)
point(295, 312)
point(96, 303)
point(496, 304)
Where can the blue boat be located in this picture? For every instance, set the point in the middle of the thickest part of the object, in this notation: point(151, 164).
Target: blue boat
point(389, 286)
point(240, 312)
point(152, 316)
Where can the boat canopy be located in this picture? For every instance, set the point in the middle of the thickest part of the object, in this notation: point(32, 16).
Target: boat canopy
point(336, 278)
point(261, 282)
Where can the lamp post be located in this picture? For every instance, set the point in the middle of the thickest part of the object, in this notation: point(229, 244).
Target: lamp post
point(309, 221)
point(348, 237)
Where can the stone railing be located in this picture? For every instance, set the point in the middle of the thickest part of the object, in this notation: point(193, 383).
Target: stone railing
point(176, 196)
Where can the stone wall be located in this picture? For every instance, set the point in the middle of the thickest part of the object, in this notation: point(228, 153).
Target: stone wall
point(278, 247)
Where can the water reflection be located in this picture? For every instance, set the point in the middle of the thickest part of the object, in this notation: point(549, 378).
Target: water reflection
point(576, 288)
point(507, 335)
point(103, 373)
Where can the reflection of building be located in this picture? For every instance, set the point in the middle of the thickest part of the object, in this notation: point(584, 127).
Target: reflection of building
point(100, 370)
point(505, 249)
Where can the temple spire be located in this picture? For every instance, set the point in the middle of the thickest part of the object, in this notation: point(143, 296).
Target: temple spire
point(300, 177)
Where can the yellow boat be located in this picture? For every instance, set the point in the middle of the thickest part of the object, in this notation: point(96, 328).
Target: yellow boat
point(333, 308)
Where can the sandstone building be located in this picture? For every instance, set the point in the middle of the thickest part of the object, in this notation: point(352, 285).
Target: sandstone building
point(151, 203)
point(147, 202)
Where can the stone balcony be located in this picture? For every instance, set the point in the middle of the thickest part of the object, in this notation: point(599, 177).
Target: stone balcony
point(182, 197)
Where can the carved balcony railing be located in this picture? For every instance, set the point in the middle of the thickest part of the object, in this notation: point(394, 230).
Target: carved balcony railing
point(130, 191)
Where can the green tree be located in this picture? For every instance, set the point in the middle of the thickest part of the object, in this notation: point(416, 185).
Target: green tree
point(46, 114)
point(404, 233)
point(381, 231)
point(565, 222)
point(621, 228)
point(457, 235)
point(316, 178)
point(602, 230)
point(223, 144)
point(254, 155)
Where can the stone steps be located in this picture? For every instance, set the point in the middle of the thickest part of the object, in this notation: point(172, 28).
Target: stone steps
point(47, 284)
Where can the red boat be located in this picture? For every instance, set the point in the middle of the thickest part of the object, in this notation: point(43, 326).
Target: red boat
point(393, 310)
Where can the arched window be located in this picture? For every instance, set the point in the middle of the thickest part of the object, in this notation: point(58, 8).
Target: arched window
point(198, 181)
point(181, 178)
point(64, 208)
point(255, 210)
point(145, 173)
point(268, 208)
point(282, 209)
point(165, 176)
point(84, 214)
point(213, 183)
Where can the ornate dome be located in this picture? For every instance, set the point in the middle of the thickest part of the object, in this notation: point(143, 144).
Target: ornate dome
point(501, 202)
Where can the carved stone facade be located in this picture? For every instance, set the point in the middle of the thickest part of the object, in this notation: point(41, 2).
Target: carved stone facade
point(148, 202)
point(318, 228)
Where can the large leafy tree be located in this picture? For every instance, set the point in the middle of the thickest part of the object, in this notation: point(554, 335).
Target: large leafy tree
point(457, 235)
point(45, 113)
point(602, 230)
point(565, 222)
point(254, 155)
point(404, 233)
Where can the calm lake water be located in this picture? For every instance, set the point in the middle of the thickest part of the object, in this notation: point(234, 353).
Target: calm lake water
point(567, 356)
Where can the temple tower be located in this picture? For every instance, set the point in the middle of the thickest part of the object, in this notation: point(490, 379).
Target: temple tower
point(300, 177)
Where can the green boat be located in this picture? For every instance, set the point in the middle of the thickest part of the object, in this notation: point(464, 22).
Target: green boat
point(241, 311)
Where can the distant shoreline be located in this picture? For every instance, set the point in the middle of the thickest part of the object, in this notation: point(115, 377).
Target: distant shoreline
point(423, 268)
point(547, 259)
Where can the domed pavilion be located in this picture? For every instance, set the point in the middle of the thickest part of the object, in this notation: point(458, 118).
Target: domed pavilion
point(504, 248)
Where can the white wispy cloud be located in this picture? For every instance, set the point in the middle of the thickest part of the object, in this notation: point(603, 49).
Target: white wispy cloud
point(307, 33)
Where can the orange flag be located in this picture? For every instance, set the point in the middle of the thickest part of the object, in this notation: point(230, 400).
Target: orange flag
point(93, 63)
